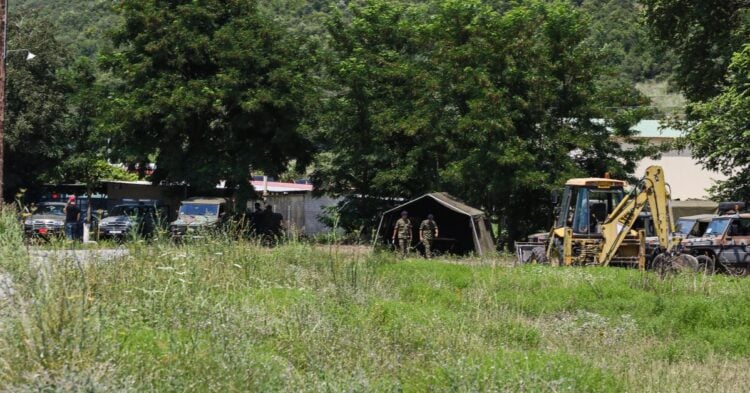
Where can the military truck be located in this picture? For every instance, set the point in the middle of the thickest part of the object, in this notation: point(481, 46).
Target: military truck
point(724, 245)
point(198, 215)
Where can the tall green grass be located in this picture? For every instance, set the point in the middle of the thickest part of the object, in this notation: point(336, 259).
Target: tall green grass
point(226, 315)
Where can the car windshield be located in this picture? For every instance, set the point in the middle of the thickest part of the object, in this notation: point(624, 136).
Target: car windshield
point(124, 210)
point(51, 210)
point(684, 226)
point(199, 209)
point(717, 227)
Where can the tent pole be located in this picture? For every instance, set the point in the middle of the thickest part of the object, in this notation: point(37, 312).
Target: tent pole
point(377, 234)
point(476, 238)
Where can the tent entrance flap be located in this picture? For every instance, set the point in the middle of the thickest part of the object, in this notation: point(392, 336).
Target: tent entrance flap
point(462, 229)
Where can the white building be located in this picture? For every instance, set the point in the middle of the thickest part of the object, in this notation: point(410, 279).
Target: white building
point(685, 175)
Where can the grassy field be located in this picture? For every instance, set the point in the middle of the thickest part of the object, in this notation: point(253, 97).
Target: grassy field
point(224, 316)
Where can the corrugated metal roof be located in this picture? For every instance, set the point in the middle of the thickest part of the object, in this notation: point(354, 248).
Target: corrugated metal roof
point(281, 187)
point(652, 129)
point(586, 180)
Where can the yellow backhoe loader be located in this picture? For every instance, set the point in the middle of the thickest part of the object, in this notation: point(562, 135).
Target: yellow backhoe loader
point(595, 226)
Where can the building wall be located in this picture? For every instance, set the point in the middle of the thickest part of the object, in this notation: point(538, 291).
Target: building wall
point(688, 180)
point(301, 211)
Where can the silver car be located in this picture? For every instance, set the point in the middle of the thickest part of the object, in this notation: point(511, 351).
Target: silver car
point(48, 218)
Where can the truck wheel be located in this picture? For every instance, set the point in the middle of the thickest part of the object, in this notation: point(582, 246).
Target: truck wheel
point(686, 262)
point(665, 264)
point(706, 264)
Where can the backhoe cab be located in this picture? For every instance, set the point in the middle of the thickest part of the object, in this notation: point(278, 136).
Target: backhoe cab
point(595, 224)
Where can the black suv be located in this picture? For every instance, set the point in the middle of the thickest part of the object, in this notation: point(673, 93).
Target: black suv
point(127, 219)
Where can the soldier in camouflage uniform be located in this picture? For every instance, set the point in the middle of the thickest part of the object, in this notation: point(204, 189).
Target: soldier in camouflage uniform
point(402, 233)
point(428, 231)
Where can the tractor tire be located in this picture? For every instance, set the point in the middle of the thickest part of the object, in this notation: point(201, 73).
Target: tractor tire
point(660, 265)
point(538, 256)
point(666, 265)
point(706, 264)
point(685, 263)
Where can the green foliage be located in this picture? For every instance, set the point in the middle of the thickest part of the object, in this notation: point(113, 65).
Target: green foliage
point(719, 139)
point(703, 34)
point(618, 30)
point(496, 105)
point(210, 89)
point(35, 132)
point(80, 25)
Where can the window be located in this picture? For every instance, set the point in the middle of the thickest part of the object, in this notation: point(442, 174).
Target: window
point(199, 209)
point(739, 227)
point(592, 208)
point(52, 210)
point(685, 227)
point(717, 227)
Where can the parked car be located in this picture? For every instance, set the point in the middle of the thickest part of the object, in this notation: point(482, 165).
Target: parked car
point(48, 219)
point(685, 228)
point(693, 226)
point(724, 244)
point(199, 214)
point(127, 219)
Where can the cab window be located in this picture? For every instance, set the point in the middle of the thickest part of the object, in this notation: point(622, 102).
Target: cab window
point(739, 227)
point(592, 208)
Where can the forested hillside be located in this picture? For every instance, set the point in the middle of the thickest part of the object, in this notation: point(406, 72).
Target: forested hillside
point(82, 25)
point(617, 27)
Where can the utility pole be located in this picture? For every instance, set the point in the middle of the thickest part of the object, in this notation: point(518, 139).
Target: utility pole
point(3, 52)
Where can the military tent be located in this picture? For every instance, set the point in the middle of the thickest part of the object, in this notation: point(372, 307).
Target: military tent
point(462, 228)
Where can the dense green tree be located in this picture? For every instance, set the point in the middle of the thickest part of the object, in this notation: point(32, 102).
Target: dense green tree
point(373, 129)
point(711, 39)
point(85, 159)
point(525, 104)
point(210, 89)
point(35, 136)
point(496, 104)
point(81, 26)
point(720, 138)
point(703, 34)
point(618, 30)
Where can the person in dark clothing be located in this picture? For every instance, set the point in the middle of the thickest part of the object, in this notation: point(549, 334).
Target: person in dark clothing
point(72, 216)
point(268, 221)
point(256, 219)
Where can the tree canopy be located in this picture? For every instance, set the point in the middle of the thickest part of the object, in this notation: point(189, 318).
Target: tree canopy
point(703, 34)
point(211, 89)
point(497, 105)
point(712, 40)
point(497, 102)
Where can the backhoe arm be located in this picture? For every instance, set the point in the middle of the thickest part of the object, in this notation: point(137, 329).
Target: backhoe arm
point(651, 189)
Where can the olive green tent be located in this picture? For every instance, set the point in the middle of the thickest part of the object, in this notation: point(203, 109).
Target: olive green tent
point(462, 228)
